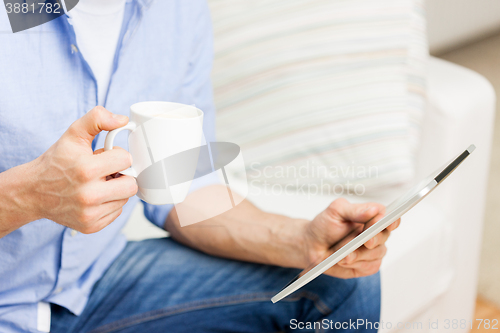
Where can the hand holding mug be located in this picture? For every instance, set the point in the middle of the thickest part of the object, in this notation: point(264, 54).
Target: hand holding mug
point(70, 184)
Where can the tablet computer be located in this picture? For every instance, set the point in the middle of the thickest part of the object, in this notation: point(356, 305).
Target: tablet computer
point(393, 212)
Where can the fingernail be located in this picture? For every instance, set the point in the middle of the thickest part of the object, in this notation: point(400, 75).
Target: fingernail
point(366, 209)
point(119, 116)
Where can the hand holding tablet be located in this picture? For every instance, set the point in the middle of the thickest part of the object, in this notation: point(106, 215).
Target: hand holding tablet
point(355, 239)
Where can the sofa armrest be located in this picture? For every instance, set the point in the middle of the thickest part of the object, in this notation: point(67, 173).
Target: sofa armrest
point(461, 111)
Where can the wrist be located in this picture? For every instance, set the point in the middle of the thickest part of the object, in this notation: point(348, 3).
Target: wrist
point(17, 204)
point(291, 240)
point(32, 193)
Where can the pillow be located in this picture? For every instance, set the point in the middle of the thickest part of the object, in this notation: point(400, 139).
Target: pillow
point(323, 96)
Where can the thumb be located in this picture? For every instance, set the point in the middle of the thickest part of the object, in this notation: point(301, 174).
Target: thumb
point(93, 122)
point(360, 213)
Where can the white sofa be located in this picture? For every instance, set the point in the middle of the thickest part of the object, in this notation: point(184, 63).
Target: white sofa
point(430, 271)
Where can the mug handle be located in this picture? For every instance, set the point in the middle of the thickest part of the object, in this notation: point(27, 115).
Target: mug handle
point(108, 144)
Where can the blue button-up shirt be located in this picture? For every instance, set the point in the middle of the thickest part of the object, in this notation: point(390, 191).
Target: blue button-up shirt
point(165, 54)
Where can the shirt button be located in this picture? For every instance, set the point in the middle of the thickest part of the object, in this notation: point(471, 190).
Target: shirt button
point(73, 232)
point(74, 49)
point(58, 290)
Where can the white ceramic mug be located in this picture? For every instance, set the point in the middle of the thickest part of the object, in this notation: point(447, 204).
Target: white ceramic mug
point(159, 130)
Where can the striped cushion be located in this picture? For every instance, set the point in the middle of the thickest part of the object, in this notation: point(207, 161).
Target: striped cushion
point(328, 93)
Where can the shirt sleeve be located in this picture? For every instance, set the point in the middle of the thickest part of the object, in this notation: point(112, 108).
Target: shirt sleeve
point(196, 90)
point(157, 214)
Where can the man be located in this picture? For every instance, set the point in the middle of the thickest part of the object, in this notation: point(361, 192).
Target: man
point(64, 265)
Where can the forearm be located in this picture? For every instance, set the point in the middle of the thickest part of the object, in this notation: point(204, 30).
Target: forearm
point(15, 197)
point(245, 233)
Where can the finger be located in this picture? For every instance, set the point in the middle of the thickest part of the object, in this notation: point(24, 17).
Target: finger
point(104, 209)
point(374, 220)
point(394, 225)
point(106, 220)
point(110, 207)
point(370, 212)
point(101, 150)
point(378, 239)
point(93, 122)
point(363, 268)
point(356, 212)
point(116, 189)
point(341, 272)
point(364, 254)
point(111, 161)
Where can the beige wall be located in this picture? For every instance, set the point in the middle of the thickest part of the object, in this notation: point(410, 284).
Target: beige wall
point(455, 22)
